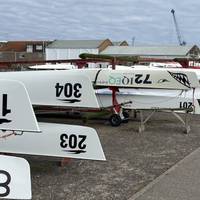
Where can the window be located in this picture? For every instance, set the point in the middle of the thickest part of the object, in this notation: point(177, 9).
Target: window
point(29, 48)
point(21, 55)
point(38, 47)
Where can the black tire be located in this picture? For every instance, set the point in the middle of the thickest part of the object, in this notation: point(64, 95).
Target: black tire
point(115, 120)
point(126, 117)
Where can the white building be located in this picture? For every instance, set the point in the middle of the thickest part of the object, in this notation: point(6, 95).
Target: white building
point(71, 49)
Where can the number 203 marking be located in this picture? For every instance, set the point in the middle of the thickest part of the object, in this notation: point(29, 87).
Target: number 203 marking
point(73, 141)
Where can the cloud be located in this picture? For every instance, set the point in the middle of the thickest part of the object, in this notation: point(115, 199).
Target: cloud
point(149, 21)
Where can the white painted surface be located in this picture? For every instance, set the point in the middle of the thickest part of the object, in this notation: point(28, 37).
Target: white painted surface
point(59, 140)
point(16, 111)
point(16, 172)
point(74, 89)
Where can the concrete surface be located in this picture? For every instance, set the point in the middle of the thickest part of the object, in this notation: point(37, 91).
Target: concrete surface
point(133, 160)
point(181, 182)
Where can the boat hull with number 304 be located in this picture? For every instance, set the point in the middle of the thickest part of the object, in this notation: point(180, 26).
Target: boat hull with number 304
point(76, 88)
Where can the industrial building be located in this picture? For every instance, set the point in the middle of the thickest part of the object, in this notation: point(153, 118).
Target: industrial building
point(71, 49)
point(22, 50)
point(163, 52)
point(29, 51)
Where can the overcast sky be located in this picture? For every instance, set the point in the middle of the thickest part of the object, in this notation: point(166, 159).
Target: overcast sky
point(148, 21)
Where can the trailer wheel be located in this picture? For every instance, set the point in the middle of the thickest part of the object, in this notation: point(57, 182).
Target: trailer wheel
point(126, 117)
point(115, 120)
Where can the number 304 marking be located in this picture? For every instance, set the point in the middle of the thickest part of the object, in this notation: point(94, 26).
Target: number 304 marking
point(68, 90)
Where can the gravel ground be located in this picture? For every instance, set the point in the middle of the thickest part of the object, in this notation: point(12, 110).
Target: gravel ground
point(133, 160)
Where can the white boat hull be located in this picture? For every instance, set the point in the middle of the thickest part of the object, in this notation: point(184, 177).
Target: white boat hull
point(58, 140)
point(140, 99)
point(15, 178)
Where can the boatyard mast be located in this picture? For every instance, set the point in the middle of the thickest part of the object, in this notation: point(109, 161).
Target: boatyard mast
point(181, 42)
